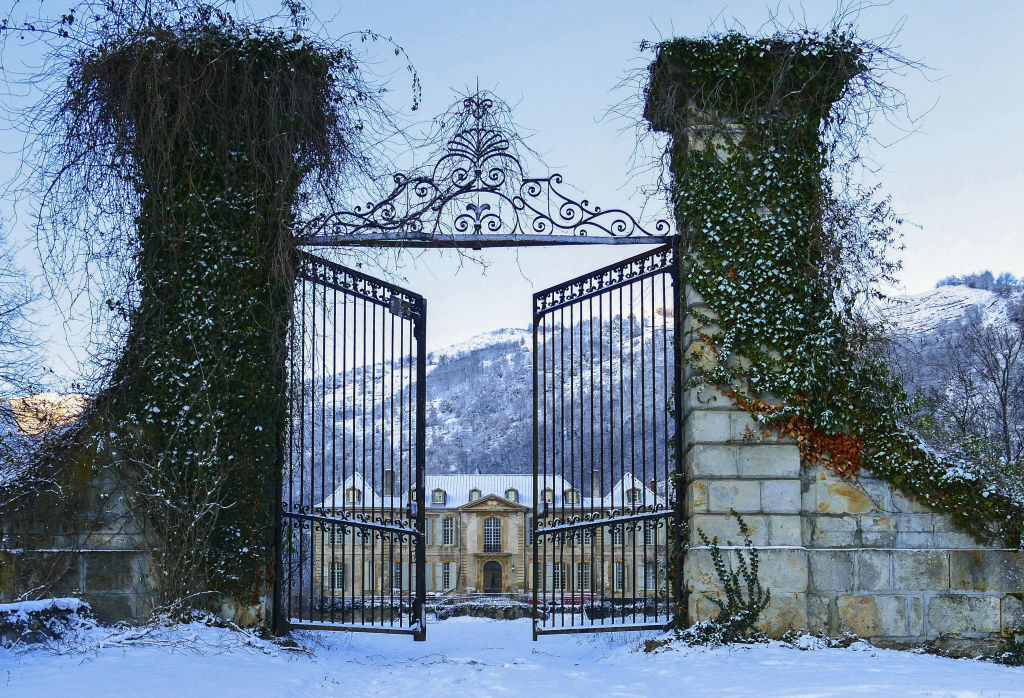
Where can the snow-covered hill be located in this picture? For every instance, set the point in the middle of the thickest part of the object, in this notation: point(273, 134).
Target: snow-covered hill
point(926, 312)
point(479, 392)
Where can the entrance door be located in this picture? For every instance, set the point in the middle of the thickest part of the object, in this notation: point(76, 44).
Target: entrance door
point(492, 578)
point(607, 410)
point(350, 535)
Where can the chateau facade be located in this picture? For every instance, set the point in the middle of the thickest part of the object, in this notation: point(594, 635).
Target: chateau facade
point(478, 539)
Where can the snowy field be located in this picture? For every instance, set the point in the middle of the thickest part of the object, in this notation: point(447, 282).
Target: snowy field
point(476, 657)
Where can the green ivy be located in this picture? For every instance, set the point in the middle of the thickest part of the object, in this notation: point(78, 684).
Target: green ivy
point(751, 161)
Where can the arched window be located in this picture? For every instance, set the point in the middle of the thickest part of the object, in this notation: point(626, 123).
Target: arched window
point(512, 495)
point(633, 496)
point(438, 496)
point(353, 496)
point(492, 535)
point(474, 494)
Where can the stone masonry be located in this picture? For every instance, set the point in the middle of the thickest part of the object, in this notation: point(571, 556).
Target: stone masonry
point(838, 555)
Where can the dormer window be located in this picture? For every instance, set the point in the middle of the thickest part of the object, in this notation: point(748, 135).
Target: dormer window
point(512, 495)
point(438, 496)
point(548, 496)
point(353, 496)
point(474, 494)
point(571, 497)
point(633, 496)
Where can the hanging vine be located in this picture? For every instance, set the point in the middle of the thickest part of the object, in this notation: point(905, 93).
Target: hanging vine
point(176, 156)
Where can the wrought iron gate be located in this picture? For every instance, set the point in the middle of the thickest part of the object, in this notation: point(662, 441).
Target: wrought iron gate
point(605, 375)
point(351, 518)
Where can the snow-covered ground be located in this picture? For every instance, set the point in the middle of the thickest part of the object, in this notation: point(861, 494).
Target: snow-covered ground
point(477, 657)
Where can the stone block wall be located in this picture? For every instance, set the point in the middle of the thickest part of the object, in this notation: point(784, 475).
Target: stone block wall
point(838, 555)
point(92, 551)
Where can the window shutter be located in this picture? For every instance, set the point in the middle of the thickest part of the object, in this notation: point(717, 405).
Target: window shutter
point(549, 575)
point(406, 577)
point(428, 526)
point(430, 576)
point(455, 576)
point(439, 531)
point(456, 528)
point(662, 533)
point(438, 586)
point(368, 580)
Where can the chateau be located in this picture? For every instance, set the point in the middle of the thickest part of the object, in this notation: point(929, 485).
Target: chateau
point(479, 539)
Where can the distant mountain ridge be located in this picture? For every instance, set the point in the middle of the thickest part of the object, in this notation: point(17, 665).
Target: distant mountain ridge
point(479, 411)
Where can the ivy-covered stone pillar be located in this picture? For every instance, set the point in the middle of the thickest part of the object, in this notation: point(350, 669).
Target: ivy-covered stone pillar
point(222, 123)
point(744, 116)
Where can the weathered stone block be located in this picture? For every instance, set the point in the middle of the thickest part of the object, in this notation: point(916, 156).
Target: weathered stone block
point(706, 397)
point(701, 608)
point(696, 497)
point(914, 531)
point(902, 504)
point(742, 427)
point(874, 571)
point(780, 496)
point(725, 528)
point(957, 613)
point(834, 532)
point(768, 461)
point(709, 426)
point(786, 611)
point(780, 569)
point(878, 491)
point(784, 529)
point(831, 570)
point(1012, 615)
point(872, 616)
point(108, 571)
point(987, 570)
point(878, 531)
point(820, 613)
point(110, 608)
point(59, 572)
point(711, 461)
point(915, 608)
point(920, 570)
point(835, 496)
point(742, 495)
point(8, 573)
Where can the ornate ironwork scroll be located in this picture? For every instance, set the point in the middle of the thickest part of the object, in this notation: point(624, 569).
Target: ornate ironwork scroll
point(477, 190)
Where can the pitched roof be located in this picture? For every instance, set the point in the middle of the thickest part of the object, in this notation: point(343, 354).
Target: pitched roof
point(457, 488)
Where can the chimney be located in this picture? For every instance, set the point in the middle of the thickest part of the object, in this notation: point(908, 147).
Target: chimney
point(595, 483)
point(389, 482)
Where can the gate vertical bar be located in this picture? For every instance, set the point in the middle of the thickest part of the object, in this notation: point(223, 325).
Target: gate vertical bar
point(678, 316)
point(419, 607)
point(535, 582)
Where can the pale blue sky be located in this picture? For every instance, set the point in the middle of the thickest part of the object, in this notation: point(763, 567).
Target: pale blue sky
point(957, 179)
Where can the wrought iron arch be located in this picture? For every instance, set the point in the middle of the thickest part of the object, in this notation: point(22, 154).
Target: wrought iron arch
point(477, 194)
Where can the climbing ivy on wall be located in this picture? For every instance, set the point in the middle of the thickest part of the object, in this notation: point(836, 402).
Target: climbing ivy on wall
point(215, 126)
point(782, 257)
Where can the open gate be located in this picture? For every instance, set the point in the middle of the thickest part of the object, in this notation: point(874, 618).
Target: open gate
point(351, 539)
point(605, 376)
